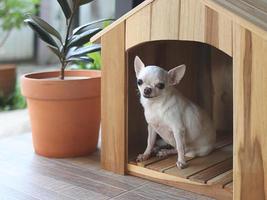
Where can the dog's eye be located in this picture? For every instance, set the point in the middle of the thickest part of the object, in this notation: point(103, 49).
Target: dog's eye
point(139, 82)
point(160, 86)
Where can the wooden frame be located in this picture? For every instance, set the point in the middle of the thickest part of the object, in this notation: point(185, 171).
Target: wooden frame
point(232, 28)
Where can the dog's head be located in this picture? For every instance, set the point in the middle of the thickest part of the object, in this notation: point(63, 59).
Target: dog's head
point(153, 81)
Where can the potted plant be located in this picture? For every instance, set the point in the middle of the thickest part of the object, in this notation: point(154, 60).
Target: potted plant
point(11, 17)
point(64, 106)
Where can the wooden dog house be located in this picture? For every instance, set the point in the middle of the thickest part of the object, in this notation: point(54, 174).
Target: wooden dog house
point(223, 44)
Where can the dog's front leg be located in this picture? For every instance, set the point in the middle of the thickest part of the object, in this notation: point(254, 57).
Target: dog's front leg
point(179, 140)
point(151, 140)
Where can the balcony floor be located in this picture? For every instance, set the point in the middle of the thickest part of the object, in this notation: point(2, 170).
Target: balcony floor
point(27, 176)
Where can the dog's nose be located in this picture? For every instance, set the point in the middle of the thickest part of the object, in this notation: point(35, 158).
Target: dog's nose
point(147, 91)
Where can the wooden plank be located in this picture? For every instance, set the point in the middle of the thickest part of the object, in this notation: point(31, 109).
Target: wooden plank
point(165, 20)
point(218, 30)
point(222, 84)
point(225, 34)
point(222, 179)
point(250, 116)
point(213, 171)
point(253, 12)
point(145, 162)
point(198, 164)
point(163, 164)
point(223, 139)
point(229, 187)
point(159, 175)
point(138, 27)
point(252, 16)
point(113, 100)
point(248, 17)
point(203, 24)
point(192, 24)
point(149, 161)
point(178, 182)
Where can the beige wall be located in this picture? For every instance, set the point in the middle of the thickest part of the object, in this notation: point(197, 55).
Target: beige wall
point(97, 10)
point(18, 46)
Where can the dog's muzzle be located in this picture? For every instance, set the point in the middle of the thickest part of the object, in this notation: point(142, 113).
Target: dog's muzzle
point(147, 96)
point(147, 91)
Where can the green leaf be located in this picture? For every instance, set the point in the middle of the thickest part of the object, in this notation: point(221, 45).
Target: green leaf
point(84, 59)
point(75, 52)
point(79, 40)
point(48, 28)
point(41, 32)
point(96, 56)
point(55, 51)
point(65, 8)
point(82, 2)
point(95, 24)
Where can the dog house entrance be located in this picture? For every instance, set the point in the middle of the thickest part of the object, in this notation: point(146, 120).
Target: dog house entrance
point(208, 83)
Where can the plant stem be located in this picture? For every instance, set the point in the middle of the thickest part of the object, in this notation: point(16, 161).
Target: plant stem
point(2, 42)
point(69, 24)
point(62, 72)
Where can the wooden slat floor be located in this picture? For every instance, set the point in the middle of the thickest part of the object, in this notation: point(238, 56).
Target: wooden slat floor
point(27, 176)
point(215, 169)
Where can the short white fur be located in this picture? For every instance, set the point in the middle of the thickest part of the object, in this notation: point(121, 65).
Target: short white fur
point(177, 120)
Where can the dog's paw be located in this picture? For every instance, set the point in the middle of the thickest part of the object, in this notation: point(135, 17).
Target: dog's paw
point(142, 157)
point(181, 165)
point(155, 150)
point(163, 153)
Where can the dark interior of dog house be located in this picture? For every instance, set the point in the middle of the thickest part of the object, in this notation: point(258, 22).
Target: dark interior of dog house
point(208, 82)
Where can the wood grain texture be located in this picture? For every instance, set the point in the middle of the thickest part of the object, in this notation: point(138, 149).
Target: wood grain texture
point(201, 23)
point(213, 171)
point(27, 176)
point(138, 27)
point(165, 19)
point(211, 22)
point(192, 23)
point(113, 97)
point(202, 163)
point(178, 182)
point(222, 179)
point(250, 14)
point(229, 187)
point(250, 100)
point(222, 87)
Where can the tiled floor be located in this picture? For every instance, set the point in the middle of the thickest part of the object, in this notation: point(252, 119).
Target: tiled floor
point(26, 176)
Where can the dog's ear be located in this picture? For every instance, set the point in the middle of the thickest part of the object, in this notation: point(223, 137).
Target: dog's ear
point(176, 74)
point(138, 65)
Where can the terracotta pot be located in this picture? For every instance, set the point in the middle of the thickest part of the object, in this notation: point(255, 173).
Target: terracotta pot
point(7, 79)
point(65, 114)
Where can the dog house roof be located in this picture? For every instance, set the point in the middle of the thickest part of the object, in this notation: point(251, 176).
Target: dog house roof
point(252, 15)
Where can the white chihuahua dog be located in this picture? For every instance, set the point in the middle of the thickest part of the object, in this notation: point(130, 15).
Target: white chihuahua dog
point(178, 121)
